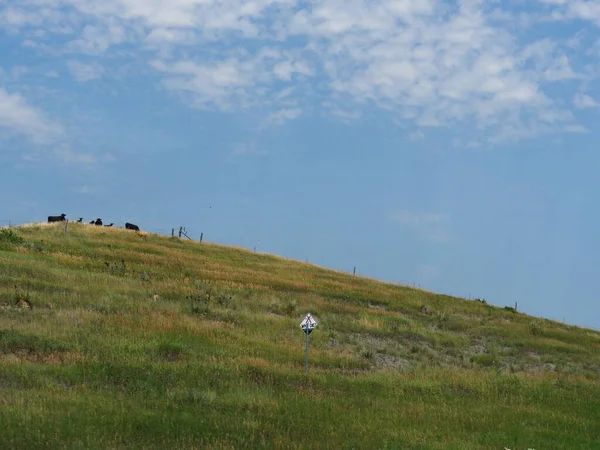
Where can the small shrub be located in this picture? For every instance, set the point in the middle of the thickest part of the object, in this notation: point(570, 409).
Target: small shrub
point(368, 354)
point(198, 305)
point(201, 301)
point(9, 236)
point(510, 309)
point(290, 308)
point(226, 301)
point(394, 327)
point(145, 276)
point(206, 289)
point(23, 299)
point(485, 360)
point(116, 268)
point(36, 246)
point(441, 319)
point(535, 329)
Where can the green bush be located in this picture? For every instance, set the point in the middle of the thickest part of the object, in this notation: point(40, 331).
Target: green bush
point(145, 276)
point(485, 360)
point(8, 236)
point(202, 300)
point(535, 329)
point(116, 268)
point(23, 299)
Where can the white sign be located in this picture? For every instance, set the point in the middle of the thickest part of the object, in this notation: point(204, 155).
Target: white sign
point(308, 324)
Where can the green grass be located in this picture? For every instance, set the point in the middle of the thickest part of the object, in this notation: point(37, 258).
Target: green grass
point(111, 340)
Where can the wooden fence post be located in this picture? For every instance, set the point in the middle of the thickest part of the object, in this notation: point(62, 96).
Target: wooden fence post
point(180, 231)
point(354, 272)
point(201, 237)
point(172, 232)
point(67, 226)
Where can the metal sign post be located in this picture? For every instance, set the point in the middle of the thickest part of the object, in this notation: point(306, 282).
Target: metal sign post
point(306, 359)
point(307, 325)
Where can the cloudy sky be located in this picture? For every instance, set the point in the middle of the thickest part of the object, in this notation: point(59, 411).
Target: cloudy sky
point(447, 144)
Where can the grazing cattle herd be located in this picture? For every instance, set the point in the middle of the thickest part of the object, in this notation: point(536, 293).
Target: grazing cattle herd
point(97, 222)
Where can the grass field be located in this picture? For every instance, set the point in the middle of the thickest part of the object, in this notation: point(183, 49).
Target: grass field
point(113, 340)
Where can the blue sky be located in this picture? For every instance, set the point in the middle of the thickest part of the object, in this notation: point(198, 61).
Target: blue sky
point(447, 144)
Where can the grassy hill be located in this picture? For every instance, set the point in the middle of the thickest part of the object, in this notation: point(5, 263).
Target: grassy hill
point(109, 339)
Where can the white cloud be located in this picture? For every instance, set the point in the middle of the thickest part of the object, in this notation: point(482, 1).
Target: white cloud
point(96, 40)
point(19, 117)
point(284, 115)
point(82, 72)
point(560, 70)
point(576, 128)
point(238, 80)
point(583, 101)
point(14, 17)
point(344, 115)
point(286, 69)
point(416, 135)
point(576, 9)
point(221, 84)
point(171, 36)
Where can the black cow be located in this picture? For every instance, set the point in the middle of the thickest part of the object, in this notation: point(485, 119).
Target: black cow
point(98, 222)
point(130, 226)
point(80, 220)
point(109, 225)
point(92, 222)
point(60, 218)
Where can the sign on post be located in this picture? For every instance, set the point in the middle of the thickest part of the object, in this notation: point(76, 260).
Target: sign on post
point(307, 325)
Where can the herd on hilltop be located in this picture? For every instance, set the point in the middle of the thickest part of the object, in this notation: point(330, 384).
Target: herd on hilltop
point(97, 222)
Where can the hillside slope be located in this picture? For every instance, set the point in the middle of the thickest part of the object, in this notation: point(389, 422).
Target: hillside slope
point(112, 340)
